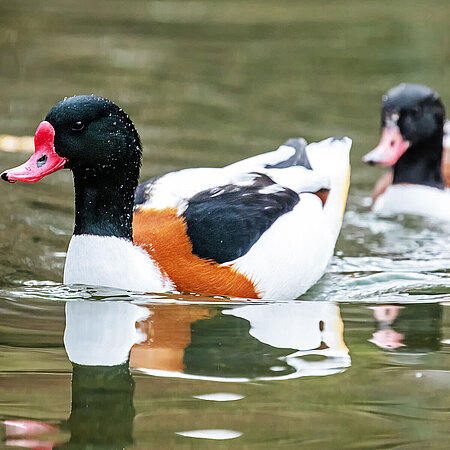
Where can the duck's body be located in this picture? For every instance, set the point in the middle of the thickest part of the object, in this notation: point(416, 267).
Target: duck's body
point(222, 246)
point(412, 142)
point(264, 227)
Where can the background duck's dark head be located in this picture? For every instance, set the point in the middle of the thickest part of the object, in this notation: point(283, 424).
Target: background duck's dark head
point(412, 122)
point(421, 113)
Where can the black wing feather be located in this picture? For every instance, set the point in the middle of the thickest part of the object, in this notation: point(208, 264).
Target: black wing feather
point(224, 222)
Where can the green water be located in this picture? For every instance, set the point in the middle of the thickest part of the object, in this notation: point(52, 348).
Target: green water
point(362, 361)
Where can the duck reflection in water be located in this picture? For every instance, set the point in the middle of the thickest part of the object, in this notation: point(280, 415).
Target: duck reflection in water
point(244, 343)
point(409, 331)
point(104, 339)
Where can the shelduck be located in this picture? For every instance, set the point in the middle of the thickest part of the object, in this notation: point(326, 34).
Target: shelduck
point(412, 141)
point(264, 227)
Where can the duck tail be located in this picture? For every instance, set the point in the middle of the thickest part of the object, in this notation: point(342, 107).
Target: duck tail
point(331, 157)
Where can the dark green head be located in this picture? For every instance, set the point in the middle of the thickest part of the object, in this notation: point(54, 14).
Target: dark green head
point(92, 132)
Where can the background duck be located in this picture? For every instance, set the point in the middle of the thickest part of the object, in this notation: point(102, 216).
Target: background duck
point(412, 121)
point(264, 227)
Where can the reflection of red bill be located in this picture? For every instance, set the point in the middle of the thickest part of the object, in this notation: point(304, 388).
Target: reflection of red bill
point(388, 339)
point(389, 149)
point(22, 433)
point(44, 160)
point(386, 313)
point(27, 427)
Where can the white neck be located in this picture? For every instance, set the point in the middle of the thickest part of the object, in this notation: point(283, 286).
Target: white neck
point(112, 262)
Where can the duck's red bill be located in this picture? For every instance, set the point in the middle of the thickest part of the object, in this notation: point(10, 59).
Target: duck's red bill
point(44, 160)
point(390, 148)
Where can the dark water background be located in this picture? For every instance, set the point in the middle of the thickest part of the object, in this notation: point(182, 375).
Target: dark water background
point(363, 361)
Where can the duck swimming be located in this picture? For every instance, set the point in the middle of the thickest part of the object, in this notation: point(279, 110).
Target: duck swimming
point(412, 121)
point(264, 227)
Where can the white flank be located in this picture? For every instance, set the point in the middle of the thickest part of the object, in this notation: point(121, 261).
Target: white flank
point(295, 251)
point(292, 254)
point(112, 262)
point(414, 199)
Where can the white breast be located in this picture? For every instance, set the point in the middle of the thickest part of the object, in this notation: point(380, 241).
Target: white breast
point(414, 199)
point(112, 262)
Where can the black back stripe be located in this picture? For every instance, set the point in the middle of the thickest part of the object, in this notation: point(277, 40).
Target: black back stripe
point(223, 223)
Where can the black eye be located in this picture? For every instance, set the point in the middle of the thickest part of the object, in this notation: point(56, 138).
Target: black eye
point(78, 125)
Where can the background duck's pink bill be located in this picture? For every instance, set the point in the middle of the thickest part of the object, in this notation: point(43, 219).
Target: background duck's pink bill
point(389, 149)
point(43, 161)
